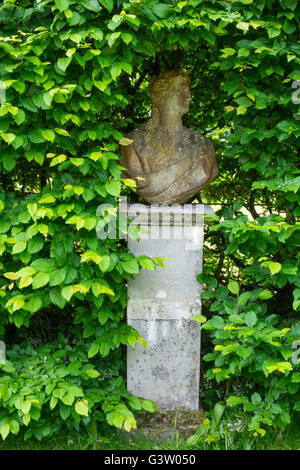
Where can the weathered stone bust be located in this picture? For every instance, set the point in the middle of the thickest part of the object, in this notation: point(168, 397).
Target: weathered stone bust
point(169, 162)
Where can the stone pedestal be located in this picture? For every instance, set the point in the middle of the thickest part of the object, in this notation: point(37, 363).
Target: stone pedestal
point(162, 304)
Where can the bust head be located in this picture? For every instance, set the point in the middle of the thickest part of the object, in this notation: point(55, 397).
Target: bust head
point(170, 91)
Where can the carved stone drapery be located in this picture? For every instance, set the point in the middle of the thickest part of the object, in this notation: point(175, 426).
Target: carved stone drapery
point(169, 162)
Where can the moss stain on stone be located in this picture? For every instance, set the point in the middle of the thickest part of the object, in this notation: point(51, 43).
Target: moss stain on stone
point(169, 424)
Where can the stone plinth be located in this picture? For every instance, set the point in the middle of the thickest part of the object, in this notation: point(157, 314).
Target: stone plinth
point(162, 304)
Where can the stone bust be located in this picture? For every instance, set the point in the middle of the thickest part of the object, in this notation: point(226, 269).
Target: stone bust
point(169, 162)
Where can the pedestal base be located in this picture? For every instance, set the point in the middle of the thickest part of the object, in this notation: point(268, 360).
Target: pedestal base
point(167, 372)
point(169, 425)
point(162, 304)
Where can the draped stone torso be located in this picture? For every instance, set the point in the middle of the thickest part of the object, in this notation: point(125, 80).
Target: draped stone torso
point(168, 166)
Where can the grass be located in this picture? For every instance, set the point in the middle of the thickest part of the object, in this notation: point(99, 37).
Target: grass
point(288, 440)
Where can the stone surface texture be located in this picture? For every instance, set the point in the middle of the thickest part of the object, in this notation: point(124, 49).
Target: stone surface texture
point(170, 163)
point(162, 304)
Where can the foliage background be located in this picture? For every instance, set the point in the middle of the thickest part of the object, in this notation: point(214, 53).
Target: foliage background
point(76, 75)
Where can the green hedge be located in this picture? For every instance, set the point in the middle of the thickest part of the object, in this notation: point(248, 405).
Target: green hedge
point(75, 75)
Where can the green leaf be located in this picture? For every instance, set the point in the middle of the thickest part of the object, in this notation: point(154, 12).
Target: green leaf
point(19, 86)
point(162, 10)
point(35, 244)
point(113, 188)
point(233, 287)
point(17, 304)
point(131, 340)
point(25, 408)
point(94, 349)
point(8, 138)
point(244, 352)
point(93, 373)
point(147, 405)
point(243, 26)
point(250, 319)
point(9, 162)
point(130, 266)
point(12, 276)
point(143, 342)
point(48, 134)
point(53, 402)
point(295, 377)
point(102, 316)
point(244, 101)
point(274, 267)
point(219, 409)
point(75, 38)
point(216, 322)
point(116, 70)
point(19, 247)
point(67, 292)
point(135, 403)
point(97, 289)
point(199, 318)
point(291, 4)
point(43, 265)
point(20, 117)
point(62, 5)
point(68, 398)
point(147, 263)
point(256, 398)
point(82, 408)
point(4, 226)
point(265, 294)
point(243, 298)
point(34, 304)
point(108, 4)
point(241, 110)
point(104, 263)
point(64, 411)
point(40, 280)
point(127, 37)
point(64, 62)
point(92, 5)
point(4, 431)
point(113, 37)
point(289, 27)
point(104, 349)
point(57, 277)
point(236, 400)
point(14, 426)
point(118, 419)
point(297, 406)
point(56, 297)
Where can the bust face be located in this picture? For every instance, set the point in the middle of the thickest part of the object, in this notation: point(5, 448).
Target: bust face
point(183, 96)
point(177, 98)
point(172, 94)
